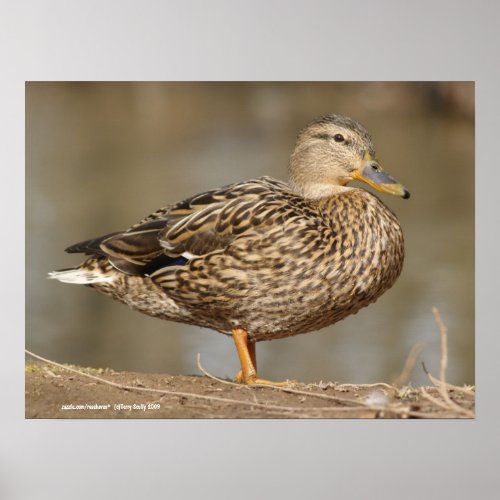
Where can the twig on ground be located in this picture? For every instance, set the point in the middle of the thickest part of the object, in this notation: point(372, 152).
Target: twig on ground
point(409, 365)
point(443, 331)
point(443, 386)
point(434, 400)
point(281, 388)
point(466, 390)
point(213, 377)
point(364, 386)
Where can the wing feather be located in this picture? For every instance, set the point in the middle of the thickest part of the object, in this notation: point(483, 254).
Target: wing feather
point(219, 216)
point(195, 226)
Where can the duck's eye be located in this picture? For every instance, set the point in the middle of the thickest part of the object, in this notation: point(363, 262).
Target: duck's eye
point(338, 138)
point(375, 168)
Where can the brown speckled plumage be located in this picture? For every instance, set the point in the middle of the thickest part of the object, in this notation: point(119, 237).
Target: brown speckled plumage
point(271, 258)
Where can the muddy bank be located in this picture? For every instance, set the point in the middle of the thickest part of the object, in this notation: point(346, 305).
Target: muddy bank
point(55, 392)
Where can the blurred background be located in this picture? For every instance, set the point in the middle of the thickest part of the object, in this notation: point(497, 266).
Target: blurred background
point(101, 156)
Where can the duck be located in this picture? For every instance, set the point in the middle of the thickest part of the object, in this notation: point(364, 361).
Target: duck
point(262, 259)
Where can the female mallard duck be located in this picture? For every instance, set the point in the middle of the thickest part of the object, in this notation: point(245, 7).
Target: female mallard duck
point(262, 259)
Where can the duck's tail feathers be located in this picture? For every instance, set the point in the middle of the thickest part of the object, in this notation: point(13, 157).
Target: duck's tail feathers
point(80, 276)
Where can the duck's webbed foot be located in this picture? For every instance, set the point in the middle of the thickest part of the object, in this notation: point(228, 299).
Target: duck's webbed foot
point(246, 352)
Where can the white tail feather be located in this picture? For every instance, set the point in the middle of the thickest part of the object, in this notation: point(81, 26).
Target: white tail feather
point(80, 276)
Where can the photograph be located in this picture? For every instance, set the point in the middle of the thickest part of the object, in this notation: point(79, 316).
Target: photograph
point(260, 249)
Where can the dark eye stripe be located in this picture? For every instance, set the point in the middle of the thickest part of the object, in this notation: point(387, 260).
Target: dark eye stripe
point(322, 136)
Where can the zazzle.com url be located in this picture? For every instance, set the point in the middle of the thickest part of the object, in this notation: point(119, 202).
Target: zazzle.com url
point(86, 406)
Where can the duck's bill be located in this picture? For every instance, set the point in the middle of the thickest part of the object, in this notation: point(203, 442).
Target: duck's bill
point(371, 173)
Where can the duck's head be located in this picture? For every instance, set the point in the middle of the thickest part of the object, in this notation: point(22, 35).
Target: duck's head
point(332, 151)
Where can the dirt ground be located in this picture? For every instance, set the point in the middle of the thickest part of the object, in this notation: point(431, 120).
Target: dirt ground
point(55, 392)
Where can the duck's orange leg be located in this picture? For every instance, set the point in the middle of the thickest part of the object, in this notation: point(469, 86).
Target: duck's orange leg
point(248, 361)
point(246, 353)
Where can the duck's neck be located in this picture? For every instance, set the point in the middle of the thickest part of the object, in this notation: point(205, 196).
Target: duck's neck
point(316, 191)
point(314, 174)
